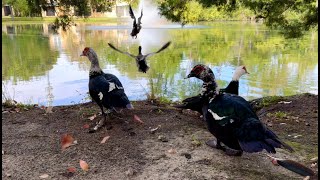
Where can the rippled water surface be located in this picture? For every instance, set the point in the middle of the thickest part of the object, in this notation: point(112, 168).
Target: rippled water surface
point(39, 66)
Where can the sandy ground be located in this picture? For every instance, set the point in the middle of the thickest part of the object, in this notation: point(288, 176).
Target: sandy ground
point(31, 143)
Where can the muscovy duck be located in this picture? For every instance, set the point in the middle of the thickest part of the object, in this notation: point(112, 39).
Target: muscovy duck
point(141, 59)
point(232, 121)
point(105, 89)
point(233, 87)
point(136, 26)
point(196, 102)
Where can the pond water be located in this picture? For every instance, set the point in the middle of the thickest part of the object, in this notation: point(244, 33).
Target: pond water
point(41, 67)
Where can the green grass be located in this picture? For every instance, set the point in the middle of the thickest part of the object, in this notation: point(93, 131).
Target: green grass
point(280, 114)
point(271, 100)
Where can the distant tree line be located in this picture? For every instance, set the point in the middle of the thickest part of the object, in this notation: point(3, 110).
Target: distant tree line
point(292, 17)
point(33, 8)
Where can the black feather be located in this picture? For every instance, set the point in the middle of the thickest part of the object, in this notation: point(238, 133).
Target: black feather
point(111, 98)
point(232, 88)
point(296, 167)
point(240, 123)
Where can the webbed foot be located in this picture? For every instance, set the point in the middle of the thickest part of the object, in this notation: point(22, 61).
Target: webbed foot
point(215, 144)
point(233, 152)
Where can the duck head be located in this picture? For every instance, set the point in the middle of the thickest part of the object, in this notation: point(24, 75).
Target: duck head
point(202, 72)
point(93, 58)
point(89, 52)
point(241, 70)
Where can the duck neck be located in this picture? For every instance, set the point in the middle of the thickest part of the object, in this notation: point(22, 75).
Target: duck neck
point(210, 87)
point(140, 49)
point(95, 68)
point(236, 76)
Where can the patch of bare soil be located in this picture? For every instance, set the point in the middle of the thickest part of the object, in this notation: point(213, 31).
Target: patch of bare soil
point(31, 143)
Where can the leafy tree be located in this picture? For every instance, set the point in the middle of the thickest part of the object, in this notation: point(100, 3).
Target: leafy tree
point(102, 5)
point(25, 7)
point(293, 17)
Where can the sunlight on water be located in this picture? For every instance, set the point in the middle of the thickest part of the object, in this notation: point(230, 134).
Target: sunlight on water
point(41, 67)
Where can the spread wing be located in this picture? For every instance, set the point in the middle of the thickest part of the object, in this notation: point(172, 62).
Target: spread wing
point(139, 19)
point(131, 12)
point(126, 53)
point(161, 49)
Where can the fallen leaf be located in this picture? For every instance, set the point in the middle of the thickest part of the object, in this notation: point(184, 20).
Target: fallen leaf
point(137, 119)
point(66, 141)
point(43, 176)
point(92, 117)
point(172, 151)
point(72, 169)
point(152, 131)
point(105, 139)
point(306, 178)
point(86, 126)
point(49, 109)
point(84, 166)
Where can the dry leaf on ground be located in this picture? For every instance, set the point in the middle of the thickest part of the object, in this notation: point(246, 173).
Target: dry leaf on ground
point(72, 169)
point(105, 139)
point(172, 151)
point(84, 165)
point(66, 141)
point(137, 119)
point(86, 126)
point(92, 117)
point(43, 176)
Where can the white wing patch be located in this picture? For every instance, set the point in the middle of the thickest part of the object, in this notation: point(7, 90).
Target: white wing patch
point(215, 115)
point(100, 95)
point(112, 86)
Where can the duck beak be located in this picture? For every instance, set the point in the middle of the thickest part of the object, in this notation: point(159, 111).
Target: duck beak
point(189, 75)
point(82, 55)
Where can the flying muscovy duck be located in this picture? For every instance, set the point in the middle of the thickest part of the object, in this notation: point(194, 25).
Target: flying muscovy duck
point(232, 121)
point(141, 59)
point(233, 87)
point(105, 89)
point(196, 102)
point(136, 26)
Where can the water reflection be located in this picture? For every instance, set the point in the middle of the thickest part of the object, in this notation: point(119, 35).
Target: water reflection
point(41, 67)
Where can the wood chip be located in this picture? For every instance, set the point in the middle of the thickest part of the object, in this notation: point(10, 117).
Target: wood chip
point(44, 176)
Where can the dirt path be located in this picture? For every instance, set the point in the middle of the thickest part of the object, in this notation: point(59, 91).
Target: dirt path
point(31, 143)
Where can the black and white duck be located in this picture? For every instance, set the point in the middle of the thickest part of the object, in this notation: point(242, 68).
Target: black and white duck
point(232, 121)
point(105, 89)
